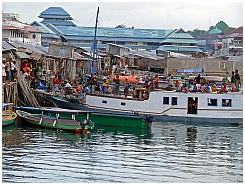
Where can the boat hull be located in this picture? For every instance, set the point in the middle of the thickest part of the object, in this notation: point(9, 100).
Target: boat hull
point(52, 122)
point(105, 119)
point(162, 111)
point(8, 118)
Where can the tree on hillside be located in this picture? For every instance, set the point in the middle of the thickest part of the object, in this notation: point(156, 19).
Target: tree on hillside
point(196, 33)
point(224, 27)
point(221, 25)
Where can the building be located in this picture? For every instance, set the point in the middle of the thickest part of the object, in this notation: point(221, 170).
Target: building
point(16, 31)
point(232, 43)
point(58, 21)
point(213, 41)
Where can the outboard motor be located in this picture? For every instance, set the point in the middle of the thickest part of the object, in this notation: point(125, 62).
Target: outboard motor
point(87, 122)
point(149, 119)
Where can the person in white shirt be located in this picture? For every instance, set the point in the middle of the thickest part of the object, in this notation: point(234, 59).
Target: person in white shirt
point(3, 70)
point(67, 84)
point(12, 69)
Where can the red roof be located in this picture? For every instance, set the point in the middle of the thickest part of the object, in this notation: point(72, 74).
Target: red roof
point(238, 30)
point(32, 29)
point(6, 27)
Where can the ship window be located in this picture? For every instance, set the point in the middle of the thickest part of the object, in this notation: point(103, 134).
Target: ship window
point(104, 101)
point(226, 102)
point(212, 102)
point(122, 103)
point(174, 100)
point(165, 100)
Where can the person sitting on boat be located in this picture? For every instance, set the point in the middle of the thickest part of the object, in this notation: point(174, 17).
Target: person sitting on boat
point(78, 89)
point(97, 89)
point(108, 89)
point(67, 84)
point(135, 93)
point(224, 88)
point(87, 89)
point(207, 88)
point(151, 88)
point(179, 89)
point(214, 88)
point(203, 87)
point(185, 89)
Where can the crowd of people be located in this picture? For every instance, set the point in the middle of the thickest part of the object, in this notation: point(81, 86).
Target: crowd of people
point(109, 86)
point(9, 71)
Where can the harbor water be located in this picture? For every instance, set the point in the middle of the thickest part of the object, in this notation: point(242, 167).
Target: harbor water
point(168, 153)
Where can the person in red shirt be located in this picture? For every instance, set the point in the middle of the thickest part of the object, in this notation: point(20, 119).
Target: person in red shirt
point(156, 81)
point(56, 83)
point(223, 88)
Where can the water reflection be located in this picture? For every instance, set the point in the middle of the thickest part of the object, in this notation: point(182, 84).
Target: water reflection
point(191, 136)
point(174, 152)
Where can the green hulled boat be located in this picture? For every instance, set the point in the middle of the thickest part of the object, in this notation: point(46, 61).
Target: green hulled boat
point(8, 115)
point(63, 120)
point(106, 119)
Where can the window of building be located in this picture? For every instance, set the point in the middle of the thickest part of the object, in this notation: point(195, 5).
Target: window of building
point(212, 102)
point(226, 102)
point(174, 100)
point(166, 100)
point(104, 101)
point(122, 103)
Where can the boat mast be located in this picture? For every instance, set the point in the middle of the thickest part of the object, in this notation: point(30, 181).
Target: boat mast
point(92, 63)
point(94, 50)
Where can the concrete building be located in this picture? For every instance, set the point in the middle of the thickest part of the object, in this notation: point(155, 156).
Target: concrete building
point(232, 43)
point(15, 31)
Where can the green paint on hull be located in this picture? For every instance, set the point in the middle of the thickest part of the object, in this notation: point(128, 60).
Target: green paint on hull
point(113, 120)
point(118, 120)
point(8, 122)
point(57, 126)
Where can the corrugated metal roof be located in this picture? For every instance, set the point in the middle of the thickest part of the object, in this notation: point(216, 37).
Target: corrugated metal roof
point(180, 40)
point(54, 11)
point(179, 48)
point(7, 46)
point(36, 48)
point(22, 55)
point(114, 32)
point(179, 36)
point(145, 54)
point(59, 23)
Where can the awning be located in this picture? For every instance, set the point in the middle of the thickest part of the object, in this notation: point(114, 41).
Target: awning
point(22, 55)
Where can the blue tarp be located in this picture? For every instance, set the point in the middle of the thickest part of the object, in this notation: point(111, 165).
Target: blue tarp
point(189, 70)
point(41, 86)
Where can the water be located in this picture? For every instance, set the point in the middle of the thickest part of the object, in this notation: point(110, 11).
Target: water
point(169, 153)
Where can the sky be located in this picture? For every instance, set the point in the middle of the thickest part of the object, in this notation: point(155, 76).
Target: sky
point(188, 15)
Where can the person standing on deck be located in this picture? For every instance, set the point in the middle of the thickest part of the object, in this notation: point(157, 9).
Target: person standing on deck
point(197, 80)
point(237, 80)
point(117, 84)
point(92, 82)
point(169, 79)
point(157, 81)
point(232, 81)
point(126, 88)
